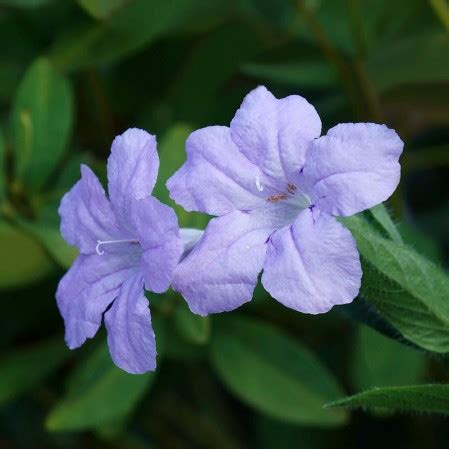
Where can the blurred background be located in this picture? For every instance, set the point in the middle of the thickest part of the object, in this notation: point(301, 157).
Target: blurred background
point(73, 74)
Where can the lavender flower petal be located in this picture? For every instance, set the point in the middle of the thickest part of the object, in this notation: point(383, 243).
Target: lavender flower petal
point(313, 264)
point(131, 339)
point(275, 134)
point(156, 227)
point(354, 167)
point(217, 178)
point(87, 289)
point(221, 272)
point(86, 214)
point(132, 170)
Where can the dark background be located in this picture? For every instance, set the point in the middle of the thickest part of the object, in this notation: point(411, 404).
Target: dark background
point(170, 67)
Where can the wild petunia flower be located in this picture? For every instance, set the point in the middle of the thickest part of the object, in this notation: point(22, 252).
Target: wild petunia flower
point(276, 187)
point(125, 244)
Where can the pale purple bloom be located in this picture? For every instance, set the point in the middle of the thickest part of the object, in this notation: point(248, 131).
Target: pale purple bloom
point(276, 187)
point(127, 243)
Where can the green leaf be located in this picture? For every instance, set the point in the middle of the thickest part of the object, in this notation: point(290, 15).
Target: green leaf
point(273, 373)
point(42, 120)
point(98, 393)
point(416, 59)
point(101, 9)
point(23, 369)
point(408, 290)
point(172, 155)
point(430, 398)
point(395, 364)
point(51, 239)
point(297, 74)
point(2, 168)
point(139, 23)
point(23, 259)
point(193, 328)
point(382, 217)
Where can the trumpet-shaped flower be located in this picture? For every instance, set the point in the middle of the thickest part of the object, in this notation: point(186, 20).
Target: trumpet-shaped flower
point(276, 187)
point(127, 243)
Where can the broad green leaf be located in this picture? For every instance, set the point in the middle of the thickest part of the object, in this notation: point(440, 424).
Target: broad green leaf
point(98, 393)
point(432, 398)
point(2, 168)
point(23, 259)
point(194, 328)
point(23, 369)
point(381, 361)
point(51, 239)
point(297, 74)
point(416, 59)
point(271, 372)
point(137, 24)
point(172, 155)
point(381, 215)
point(42, 120)
point(407, 289)
point(101, 9)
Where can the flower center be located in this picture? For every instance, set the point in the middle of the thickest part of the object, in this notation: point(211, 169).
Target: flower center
point(100, 243)
point(292, 196)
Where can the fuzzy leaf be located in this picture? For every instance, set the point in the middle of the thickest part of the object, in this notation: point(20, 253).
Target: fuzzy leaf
point(430, 398)
point(381, 215)
point(407, 289)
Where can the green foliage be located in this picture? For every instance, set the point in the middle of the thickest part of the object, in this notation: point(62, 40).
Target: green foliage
point(227, 381)
point(16, 377)
point(272, 372)
point(382, 217)
point(25, 3)
point(409, 290)
point(101, 9)
point(23, 260)
point(380, 361)
point(42, 119)
point(51, 239)
point(193, 328)
point(98, 393)
point(415, 59)
point(2, 168)
point(139, 23)
point(301, 75)
point(172, 155)
point(415, 398)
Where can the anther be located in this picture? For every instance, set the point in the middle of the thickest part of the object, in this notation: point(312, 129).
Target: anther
point(100, 252)
point(258, 184)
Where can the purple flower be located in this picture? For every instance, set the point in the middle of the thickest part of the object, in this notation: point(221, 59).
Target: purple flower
point(276, 186)
point(126, 244)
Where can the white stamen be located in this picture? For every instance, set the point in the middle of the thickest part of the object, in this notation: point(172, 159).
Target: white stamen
point(105, 242)
point(258, 184)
